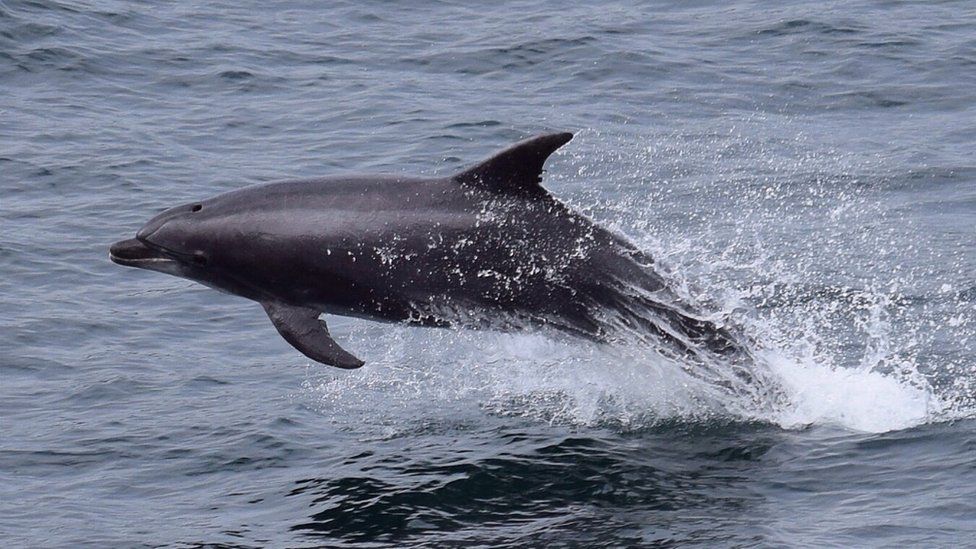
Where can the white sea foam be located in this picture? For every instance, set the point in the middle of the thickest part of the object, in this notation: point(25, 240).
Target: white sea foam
point(850, 398)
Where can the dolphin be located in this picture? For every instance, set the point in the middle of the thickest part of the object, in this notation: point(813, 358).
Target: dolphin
point(486, 248)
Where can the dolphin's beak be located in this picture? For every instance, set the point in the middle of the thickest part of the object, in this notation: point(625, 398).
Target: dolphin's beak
point(134, 253)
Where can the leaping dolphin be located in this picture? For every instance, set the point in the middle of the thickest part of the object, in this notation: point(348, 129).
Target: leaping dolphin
point(486, 248)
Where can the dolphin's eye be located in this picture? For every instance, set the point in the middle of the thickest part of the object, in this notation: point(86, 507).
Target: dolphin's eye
point(196, 207)
point(199, 259)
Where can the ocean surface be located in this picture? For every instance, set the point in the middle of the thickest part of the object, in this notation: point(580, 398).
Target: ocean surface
point(807, 169)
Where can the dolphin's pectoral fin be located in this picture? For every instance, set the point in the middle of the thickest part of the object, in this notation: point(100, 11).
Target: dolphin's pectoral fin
point(302, 328)
point(517, 169)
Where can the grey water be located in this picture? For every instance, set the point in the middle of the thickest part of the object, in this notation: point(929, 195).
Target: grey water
point(804, 169)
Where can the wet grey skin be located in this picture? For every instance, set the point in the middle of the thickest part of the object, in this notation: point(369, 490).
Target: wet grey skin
point(486, 248)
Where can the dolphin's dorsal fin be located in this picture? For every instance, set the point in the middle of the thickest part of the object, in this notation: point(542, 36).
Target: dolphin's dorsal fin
point(301, 327)
point(517, 169)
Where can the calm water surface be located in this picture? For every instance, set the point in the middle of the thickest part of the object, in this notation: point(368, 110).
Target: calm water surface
point(807, 169)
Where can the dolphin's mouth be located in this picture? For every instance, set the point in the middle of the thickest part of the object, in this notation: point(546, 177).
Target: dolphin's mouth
point(133, 253)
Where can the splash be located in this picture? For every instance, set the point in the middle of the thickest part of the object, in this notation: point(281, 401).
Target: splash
point(850, 324)
point(430, 377)
point(856, 307)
